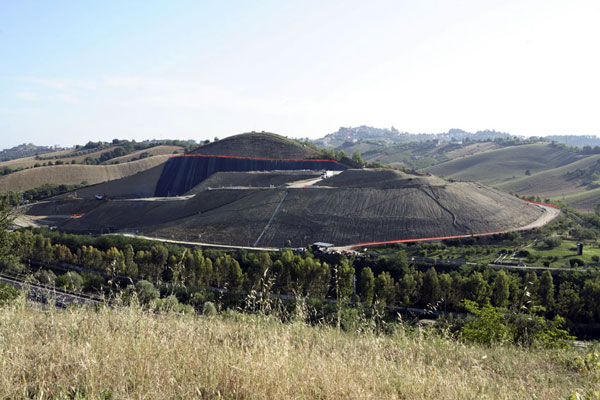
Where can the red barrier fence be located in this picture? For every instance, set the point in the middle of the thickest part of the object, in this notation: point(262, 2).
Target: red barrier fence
point(253, 158)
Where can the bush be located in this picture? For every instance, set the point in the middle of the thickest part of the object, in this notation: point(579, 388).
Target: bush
point(490, 325)
point(486, 326)
point(12, 267)
point(7, 293)
point(523, 253)
point(576, 262)
point(45, 277)
point(553, 241)
point(146, 291)
point(70, 281)
point(209, 308)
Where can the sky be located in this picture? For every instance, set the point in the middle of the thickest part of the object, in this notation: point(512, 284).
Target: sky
point(71, 72)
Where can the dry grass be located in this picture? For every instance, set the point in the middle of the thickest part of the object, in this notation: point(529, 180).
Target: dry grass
point(126, 353)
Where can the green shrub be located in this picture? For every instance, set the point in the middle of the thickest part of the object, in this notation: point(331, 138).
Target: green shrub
point(209, 308)
point(146, 291)
point(7, 294)
point(490, 325)
point(70, 281)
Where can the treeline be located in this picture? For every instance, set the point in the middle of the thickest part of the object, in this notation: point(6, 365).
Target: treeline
point(41, 192)
point(391, 281)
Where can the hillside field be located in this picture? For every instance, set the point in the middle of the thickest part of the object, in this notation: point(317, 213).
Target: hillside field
point(75, 174)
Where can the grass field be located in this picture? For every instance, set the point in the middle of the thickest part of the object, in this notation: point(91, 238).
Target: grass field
point(127, 353)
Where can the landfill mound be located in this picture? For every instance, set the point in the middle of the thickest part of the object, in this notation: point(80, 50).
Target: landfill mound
point(381, 178)
point(182, 173)
point(304, 215)
point(252, 179)
point(243, 198)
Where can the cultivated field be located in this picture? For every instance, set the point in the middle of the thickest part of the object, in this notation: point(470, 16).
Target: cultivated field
point(126, 353)
point(75, 174)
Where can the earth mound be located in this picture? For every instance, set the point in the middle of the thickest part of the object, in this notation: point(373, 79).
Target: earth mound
point(258, 145)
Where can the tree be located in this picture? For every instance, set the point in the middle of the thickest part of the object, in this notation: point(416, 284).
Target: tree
point(385, 288)
point(236, 277)
point(159, 256)
point(367, 285)
point(356, 157)
point(344, 277)
point(591, 298)
point(568, 302)
point(7, 215)
point(398, 263)
point(407, 289)
point(546, 290)
point(430, 291)
point(476, 288)
point(500, 290)
point(131, 268)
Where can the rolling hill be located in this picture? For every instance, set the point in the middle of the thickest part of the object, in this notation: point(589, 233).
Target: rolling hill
point(501, 165)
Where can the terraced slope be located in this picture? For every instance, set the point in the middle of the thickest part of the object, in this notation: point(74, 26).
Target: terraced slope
point(252, 179)
point(497, 166)
point(75, 174)
point(182, 173)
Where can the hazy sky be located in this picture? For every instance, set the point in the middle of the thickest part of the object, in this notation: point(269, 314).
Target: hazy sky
point(73, 71)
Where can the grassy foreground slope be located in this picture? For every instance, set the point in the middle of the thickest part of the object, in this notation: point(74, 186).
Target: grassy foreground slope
point(126, 353)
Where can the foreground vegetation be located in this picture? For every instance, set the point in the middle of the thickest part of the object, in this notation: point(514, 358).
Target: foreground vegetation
point(126, 352)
